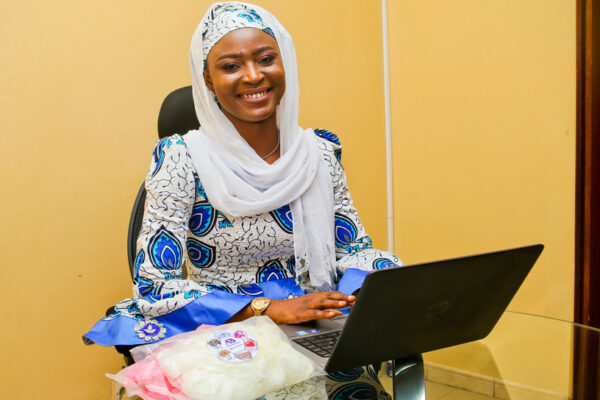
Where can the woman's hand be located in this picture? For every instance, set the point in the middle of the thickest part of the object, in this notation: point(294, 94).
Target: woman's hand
point(318, 305)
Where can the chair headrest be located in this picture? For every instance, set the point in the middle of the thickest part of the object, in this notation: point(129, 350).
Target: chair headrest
point(177, 113)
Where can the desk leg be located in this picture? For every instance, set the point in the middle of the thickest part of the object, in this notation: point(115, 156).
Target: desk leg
point(409, 378)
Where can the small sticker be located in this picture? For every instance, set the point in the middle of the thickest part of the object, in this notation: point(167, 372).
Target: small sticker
point(301, 333)
point(221, 335)
point(150, 330)
point(314, 331)
point(233, 346)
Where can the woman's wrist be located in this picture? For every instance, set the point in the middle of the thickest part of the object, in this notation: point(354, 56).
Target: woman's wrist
point(274, 311)
point(242, 315)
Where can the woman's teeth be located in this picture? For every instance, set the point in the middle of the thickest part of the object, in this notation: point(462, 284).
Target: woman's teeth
point(254, 95)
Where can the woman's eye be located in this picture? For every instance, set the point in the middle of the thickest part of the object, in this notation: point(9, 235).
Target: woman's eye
point(267, 60)
point(229, 67)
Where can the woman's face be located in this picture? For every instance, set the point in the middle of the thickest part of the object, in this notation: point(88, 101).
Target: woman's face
point(245, 70)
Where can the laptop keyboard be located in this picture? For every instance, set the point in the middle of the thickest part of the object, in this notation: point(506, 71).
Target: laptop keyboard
point(321, 344)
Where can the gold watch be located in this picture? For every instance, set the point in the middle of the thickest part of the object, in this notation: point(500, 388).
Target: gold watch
point(259, 305)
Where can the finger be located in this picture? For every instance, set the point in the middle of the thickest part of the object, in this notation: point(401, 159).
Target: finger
point(326, 314)
point(327, 303)
point(335, 295)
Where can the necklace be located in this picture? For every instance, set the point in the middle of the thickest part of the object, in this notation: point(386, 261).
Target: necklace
point(275, 149)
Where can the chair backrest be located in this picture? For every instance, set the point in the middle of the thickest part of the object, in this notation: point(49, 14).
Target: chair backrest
point(176, 115)
point(135, 224)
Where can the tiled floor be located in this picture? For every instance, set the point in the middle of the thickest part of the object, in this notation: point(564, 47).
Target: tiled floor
point(435, 391)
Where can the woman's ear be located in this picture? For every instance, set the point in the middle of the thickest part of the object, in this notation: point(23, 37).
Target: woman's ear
point(208, 80)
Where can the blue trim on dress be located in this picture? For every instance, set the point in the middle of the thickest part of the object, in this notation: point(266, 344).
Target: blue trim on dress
point(214, 308)
point(352, 280)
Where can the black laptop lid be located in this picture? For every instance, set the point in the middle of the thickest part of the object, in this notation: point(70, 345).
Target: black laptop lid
point(410, 310)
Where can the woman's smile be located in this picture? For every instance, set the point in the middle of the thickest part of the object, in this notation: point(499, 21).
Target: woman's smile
point(255, 96)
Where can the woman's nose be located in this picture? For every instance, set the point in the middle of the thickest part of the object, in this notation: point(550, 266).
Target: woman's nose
point(253, 74)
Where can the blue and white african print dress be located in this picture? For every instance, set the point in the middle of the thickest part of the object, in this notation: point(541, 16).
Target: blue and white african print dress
point(196, 265)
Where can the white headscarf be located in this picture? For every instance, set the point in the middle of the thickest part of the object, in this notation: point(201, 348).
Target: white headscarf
point(237, 181)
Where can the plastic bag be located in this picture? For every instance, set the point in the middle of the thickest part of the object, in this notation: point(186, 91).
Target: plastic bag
point(236, 361)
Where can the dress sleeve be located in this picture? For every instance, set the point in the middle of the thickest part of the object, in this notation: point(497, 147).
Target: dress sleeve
point(170, 192)
point(354, 249)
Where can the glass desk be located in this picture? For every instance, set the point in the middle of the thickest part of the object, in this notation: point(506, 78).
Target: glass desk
point(524, 357)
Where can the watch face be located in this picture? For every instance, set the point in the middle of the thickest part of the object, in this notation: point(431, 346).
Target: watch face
point(261, 304)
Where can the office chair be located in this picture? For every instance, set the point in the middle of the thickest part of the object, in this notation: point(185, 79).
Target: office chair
point(176, 115)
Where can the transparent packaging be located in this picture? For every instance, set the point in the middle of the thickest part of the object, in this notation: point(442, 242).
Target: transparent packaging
point(237, 361)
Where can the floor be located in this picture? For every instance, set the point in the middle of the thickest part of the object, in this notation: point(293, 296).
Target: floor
point(436, 391)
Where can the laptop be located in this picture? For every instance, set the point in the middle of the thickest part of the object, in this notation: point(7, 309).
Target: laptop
point(405, 311)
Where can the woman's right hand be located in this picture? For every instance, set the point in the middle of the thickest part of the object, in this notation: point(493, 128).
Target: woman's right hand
point(318, 305)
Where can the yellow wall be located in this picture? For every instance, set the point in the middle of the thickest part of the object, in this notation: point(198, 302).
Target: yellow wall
point(82, 83)
point(483, 121)
point(483, 125)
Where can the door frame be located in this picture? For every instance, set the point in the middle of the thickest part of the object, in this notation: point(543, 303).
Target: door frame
point(586, 348)
point(587, 191)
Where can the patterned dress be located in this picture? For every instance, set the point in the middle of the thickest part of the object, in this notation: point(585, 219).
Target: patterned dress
point(198, 265)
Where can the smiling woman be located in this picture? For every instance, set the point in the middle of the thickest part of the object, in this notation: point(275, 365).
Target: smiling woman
point(287, 232)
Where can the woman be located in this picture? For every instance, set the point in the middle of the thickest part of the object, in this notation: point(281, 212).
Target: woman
point(260, 206)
